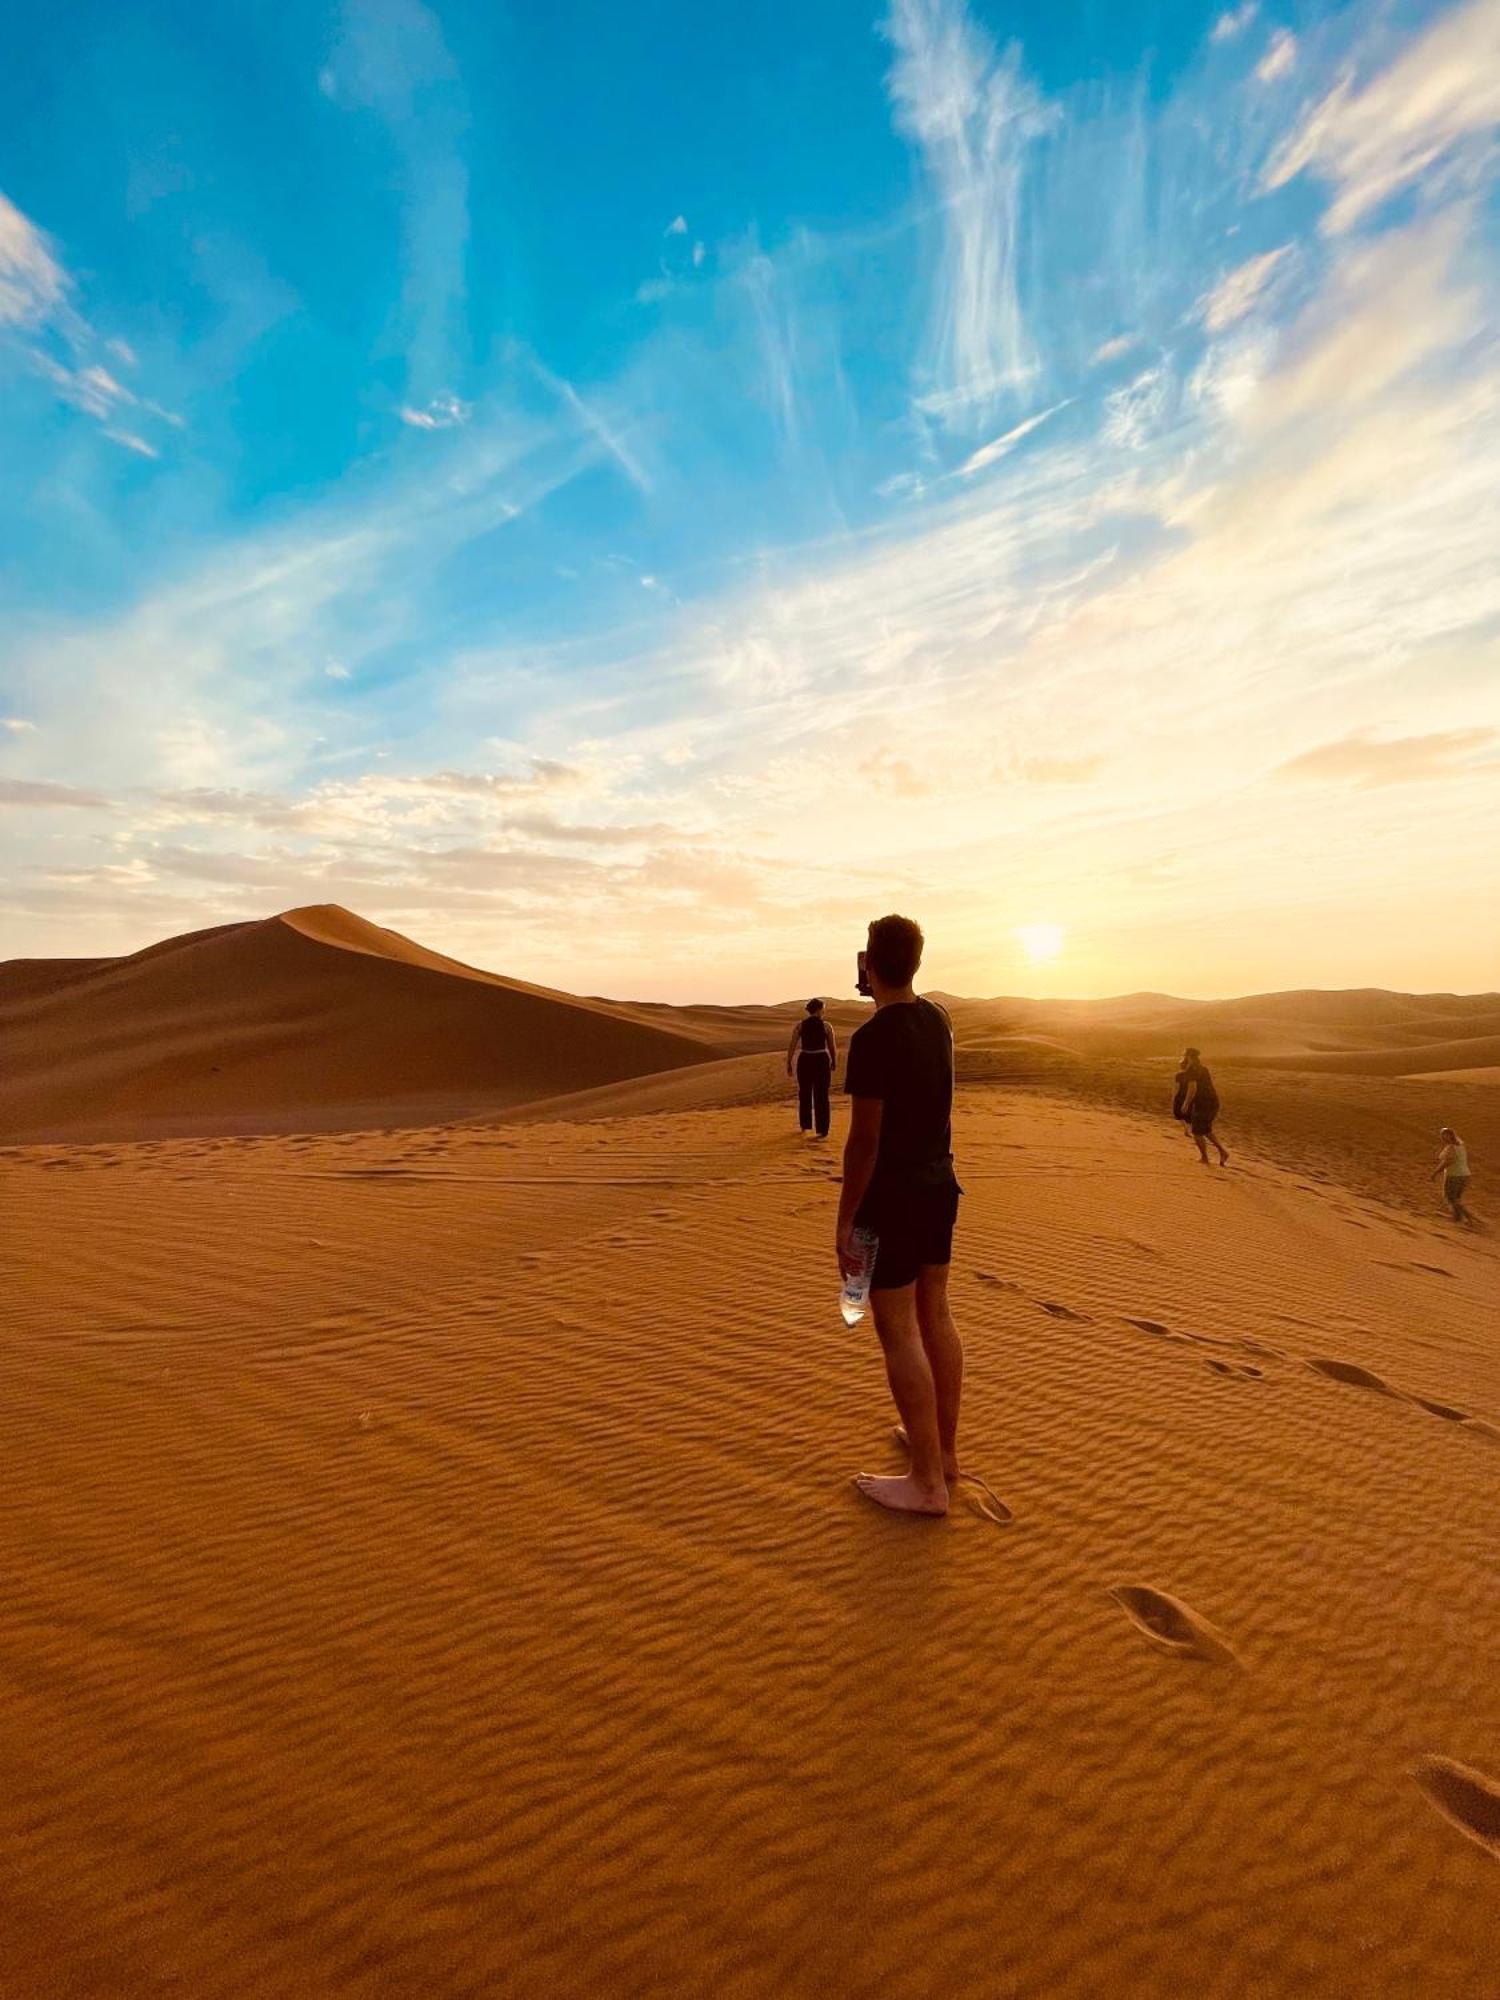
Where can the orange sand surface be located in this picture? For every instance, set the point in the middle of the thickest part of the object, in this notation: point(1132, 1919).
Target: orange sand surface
point(429, 1563)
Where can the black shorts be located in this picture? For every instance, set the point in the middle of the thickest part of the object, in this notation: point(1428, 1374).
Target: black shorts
point(915, 1227)
point(1201, 1123)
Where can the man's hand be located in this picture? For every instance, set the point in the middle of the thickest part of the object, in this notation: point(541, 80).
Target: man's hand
point(846, 1250)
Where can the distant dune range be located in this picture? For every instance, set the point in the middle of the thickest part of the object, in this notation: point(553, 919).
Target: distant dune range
point(317, 1020)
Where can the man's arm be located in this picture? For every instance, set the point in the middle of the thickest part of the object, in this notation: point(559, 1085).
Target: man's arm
point(860, 1149)
point(791, 1047)
point(1444, 1159)
point(833, 1049)
point(1188, 1095)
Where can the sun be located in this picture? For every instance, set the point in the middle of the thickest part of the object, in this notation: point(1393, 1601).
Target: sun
point(1040, 941)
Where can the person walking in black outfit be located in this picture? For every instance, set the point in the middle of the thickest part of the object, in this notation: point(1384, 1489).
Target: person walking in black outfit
point(1196, 1103)
point(899, 1182)
point(815, 1052)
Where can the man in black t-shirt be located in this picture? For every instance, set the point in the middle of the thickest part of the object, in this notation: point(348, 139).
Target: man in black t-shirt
point(1196, 1103)
point(899, 1182)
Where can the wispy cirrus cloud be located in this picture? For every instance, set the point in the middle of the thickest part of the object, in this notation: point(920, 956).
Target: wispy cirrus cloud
point(1001, 447)
point(391, 62)
point(32, 281)
point(38, 313)
point(1280, 58)
point(1234, 21)
point(972, 114)
point(40, 792)
point(1428, 118)
point(599, 426)
point(1367, 760)
point(1239, 291)
point(443, 413)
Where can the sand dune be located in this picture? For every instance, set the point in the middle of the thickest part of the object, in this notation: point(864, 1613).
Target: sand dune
point(430, 1567)
point(318, 1019)
point(313, 1019)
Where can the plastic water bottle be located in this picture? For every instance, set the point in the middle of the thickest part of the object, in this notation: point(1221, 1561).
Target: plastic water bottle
point(856, 1292)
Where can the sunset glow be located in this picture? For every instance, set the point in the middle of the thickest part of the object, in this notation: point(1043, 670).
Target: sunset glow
point(1040, 942)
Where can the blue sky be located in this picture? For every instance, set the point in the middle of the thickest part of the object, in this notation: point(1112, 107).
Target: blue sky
point(626, 494)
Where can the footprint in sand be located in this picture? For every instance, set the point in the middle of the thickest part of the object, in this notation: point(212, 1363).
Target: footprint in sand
point(1169, 1623)
point(983, 1500)
point(1446, 1411)
point(1349, 1372)
point(1464, 1796)
point(1240, 1369)
point(1362, 1378)
point(999, 1284)
point(1063, 1312)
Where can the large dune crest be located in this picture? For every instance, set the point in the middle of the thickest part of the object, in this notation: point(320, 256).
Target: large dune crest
point(298, 1022)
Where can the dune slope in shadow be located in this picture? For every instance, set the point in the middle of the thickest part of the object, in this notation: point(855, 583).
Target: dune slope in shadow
point(311, 1019)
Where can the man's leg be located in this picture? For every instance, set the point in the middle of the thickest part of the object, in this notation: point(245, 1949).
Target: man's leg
point(804, 1096)
point(1202, 1144)
point(1223, 1149)
point(923, 1490)
point(945, 1357)
point(821, 1109)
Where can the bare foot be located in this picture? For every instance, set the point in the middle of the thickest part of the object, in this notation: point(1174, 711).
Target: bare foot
point(1223, 1159)
point(902, 1495)
point(950, 1464)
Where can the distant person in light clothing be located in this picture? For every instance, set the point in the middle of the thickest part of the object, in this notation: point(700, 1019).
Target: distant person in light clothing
point(1453, 1165)
point(816, 1055)
point(1196, 1103)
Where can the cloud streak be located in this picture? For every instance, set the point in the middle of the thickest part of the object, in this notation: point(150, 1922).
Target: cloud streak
point(32, 282)
point(1366, 760)
point(392, 63)
point(1426, 119)
point(972, 115)
point(1239, 291)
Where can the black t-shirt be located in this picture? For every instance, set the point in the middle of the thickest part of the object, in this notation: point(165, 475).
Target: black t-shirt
point(904, 1055)
point(1206, 1099)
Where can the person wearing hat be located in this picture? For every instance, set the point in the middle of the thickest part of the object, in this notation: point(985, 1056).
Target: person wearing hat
point(1453, 1165)
point(1196, 1103)
point(815, 1053)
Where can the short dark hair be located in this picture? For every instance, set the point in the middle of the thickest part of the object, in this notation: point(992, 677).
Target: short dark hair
point(814, 1006)
point(895, 949)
